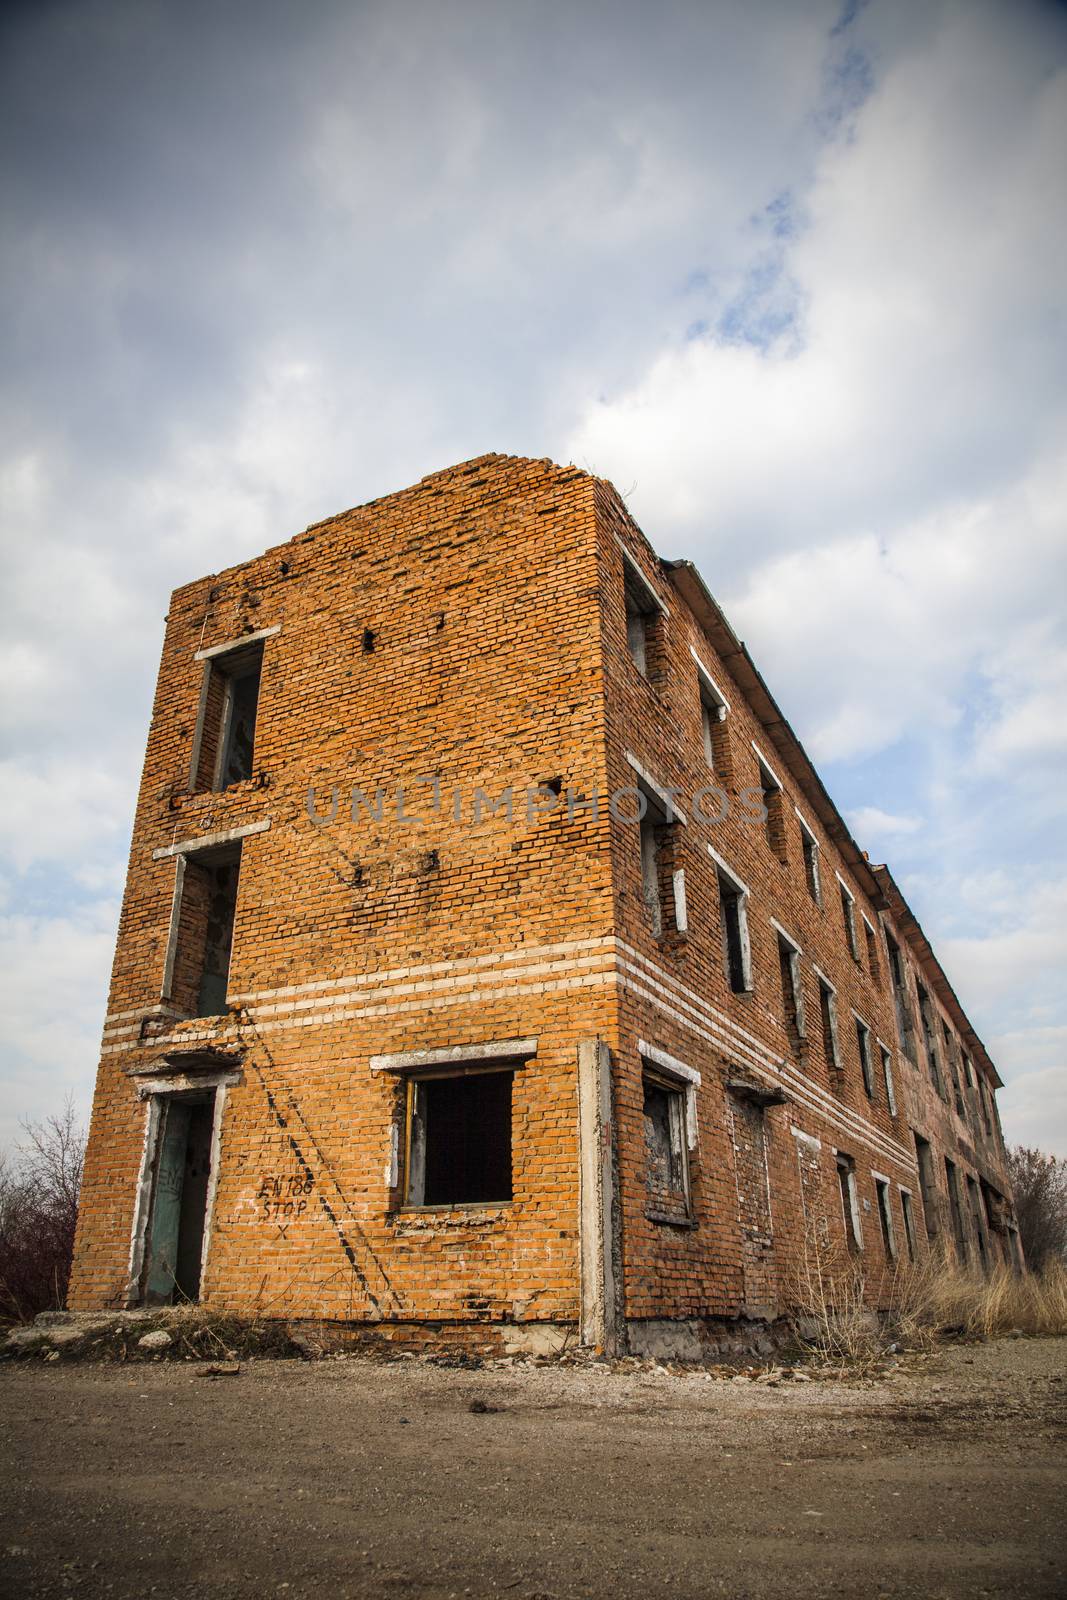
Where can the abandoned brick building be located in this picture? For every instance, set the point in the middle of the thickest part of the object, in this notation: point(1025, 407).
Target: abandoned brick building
point(493, 964)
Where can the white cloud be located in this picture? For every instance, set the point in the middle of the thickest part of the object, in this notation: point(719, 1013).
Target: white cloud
point(871, 823)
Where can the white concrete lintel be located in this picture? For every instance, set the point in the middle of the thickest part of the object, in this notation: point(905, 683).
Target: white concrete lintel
point(669, 1063)
point(455, 1055)
point(819, 973)
point(788, 937)
point(236, 644)
point(210, 841)
point(762, 759)
point(708, 681)
point(633, 568)
point(725, 867)
point(806, 1138)
point(672, 807)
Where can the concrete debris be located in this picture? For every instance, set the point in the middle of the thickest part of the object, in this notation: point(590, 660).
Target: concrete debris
point(158, 1339)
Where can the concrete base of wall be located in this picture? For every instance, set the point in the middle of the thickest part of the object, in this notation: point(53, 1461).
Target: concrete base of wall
point(696, 1339)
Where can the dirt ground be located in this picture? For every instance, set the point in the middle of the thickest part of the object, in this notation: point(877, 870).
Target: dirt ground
point(354, 1478)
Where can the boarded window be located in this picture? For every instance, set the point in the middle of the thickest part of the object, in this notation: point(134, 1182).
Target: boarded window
point(666, 1155)
point(459, 1139)
point(872, 950)
point(713, 726)
point(933, 1058)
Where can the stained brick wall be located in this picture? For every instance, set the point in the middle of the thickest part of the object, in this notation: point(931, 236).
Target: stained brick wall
point(472, 630)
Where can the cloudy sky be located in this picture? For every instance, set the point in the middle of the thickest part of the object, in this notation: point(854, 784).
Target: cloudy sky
point(791, 275)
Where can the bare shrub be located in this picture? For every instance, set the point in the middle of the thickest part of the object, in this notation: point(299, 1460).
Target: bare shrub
point(1039, 1186)
point(39, 1187)
point(919, 1303)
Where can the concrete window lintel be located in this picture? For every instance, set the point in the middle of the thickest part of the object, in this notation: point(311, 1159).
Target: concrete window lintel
point(209, 841)
point(236, 644)
point(455, 1055)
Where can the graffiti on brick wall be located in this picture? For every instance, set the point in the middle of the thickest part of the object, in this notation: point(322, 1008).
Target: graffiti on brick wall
point(283, 1198)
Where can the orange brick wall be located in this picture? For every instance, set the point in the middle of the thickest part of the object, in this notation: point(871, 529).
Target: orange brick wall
point(473, 628)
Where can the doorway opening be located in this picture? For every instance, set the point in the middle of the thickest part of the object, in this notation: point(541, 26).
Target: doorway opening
point(174, 1245)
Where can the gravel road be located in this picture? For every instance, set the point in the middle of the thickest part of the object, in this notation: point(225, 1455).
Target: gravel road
point(358, 1478)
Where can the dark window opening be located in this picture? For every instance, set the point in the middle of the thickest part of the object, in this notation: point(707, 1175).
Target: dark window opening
point(872, 949)
point(666, 1156)
point(792, 998)
point(887, 1079)
point(930, 1042)
point(951, 1056)
point(863, 1045)
point(203, 940)
point(459, 1139)
point(225, 745)
point(905, 1025)
point(774, 811)
point(909, 1223)
point(927, 1185)
point(959, 1227)
point(810, 847)
point(974, 1202)
point(885, 1219)
point(644, 623)
point(829, 1028)
point(846, 1178)
point(848, 913)
point(733, 919)
point(178, 1210)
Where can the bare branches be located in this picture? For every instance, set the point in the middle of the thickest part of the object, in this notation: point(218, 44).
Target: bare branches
point(39, 1187)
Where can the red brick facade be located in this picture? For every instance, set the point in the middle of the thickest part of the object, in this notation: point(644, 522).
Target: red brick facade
point(377, 1118)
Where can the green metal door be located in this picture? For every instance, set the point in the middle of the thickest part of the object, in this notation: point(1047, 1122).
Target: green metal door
point(167, 1203)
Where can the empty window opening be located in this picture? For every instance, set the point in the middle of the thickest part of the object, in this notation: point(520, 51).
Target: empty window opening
point(828, 1017)
point(863, 1045)
point(644, 620)
point(901, 1002)
point(713, 725)
point(848, 913)
point(458, 1145)
point(927, 1185)
point(774, 810)
point(872, 950)
point(846, 1177)
point(983, 1095)
point(666, 1153)
point(810, 847)
point(952, 1057)
point(224, 746)
point(885, 1218)
point(929, 1040)
point(181, 1174)
point(959, 1227)
point(887, 1079)
point(909, 1223)
point(662, 876)
point(792, 995)
point(974, 1205)
point(733, 915)
point(202, 931)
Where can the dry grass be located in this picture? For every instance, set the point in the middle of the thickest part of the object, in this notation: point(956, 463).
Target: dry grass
point(919, 1303)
